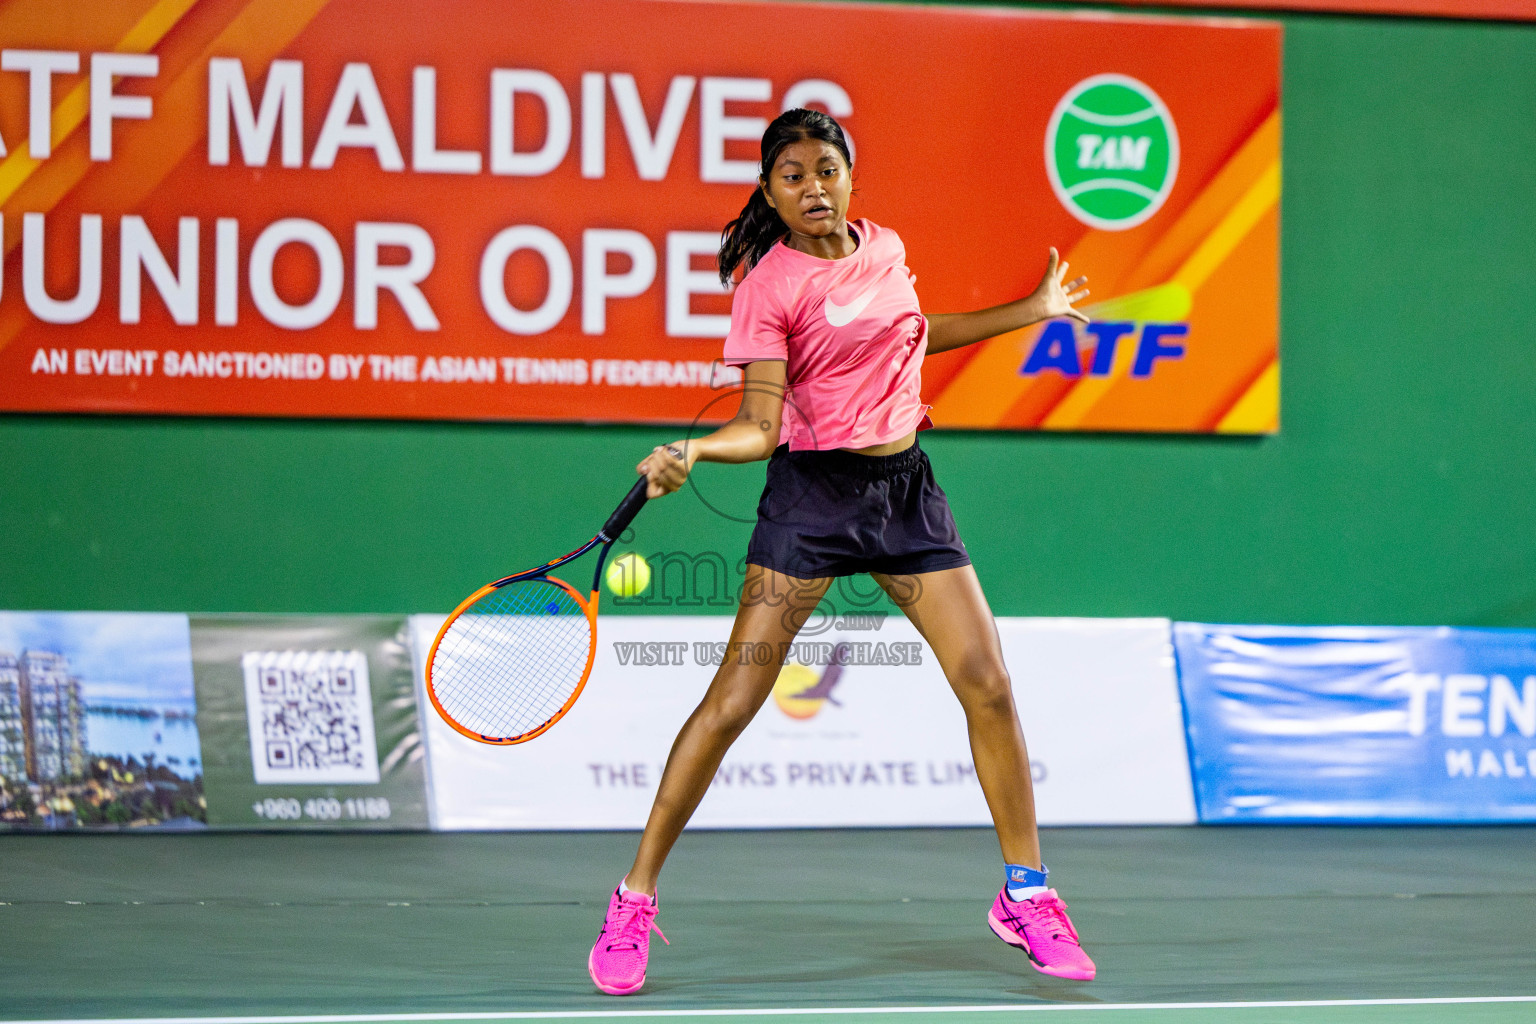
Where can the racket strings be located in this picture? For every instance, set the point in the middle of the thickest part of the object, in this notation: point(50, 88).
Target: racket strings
point(511, 660)
point(540, 665)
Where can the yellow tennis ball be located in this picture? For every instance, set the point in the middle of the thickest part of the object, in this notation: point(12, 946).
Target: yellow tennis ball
point(628, 575)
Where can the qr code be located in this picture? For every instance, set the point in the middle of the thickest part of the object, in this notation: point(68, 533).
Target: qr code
point(311, 716)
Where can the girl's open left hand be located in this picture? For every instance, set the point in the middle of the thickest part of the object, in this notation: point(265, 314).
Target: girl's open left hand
point(1057, 298)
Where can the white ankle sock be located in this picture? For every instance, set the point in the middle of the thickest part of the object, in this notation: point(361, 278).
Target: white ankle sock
point(1020, 895)
point(624, 888)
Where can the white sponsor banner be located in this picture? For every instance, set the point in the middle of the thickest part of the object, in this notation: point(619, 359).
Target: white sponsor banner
point(878, 740)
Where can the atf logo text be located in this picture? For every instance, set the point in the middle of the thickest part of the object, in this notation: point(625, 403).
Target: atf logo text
point(1058, 347)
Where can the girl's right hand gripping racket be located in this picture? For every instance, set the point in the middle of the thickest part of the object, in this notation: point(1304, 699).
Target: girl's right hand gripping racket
point(513, 658)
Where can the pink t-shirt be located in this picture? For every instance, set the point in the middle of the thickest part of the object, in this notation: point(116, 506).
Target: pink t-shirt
point(851, 335)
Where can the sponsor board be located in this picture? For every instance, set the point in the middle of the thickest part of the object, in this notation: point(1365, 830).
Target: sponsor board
point(309, 722)
point(491, 210)
point(861, 729)
point(98, 722)
point(1360, 723)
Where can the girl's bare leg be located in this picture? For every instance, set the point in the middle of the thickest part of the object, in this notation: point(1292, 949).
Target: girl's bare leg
point(773, 607)
point(950, 611)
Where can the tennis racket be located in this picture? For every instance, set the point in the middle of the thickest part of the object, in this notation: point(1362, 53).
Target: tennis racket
point(514, 656)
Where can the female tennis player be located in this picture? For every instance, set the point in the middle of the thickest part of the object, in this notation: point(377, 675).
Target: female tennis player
point(827, 326)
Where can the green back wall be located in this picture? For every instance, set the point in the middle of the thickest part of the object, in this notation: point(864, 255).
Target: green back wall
point(1401, 491)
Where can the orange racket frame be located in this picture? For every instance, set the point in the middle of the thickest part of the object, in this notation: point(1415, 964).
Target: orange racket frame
point(617, 523)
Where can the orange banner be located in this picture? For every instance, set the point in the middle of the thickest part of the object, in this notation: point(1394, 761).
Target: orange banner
point(491, 210)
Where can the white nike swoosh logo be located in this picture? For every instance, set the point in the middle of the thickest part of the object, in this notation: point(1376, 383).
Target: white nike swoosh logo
point(841, 316)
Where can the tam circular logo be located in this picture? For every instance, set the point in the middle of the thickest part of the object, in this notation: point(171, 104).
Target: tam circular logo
point(1112, 152)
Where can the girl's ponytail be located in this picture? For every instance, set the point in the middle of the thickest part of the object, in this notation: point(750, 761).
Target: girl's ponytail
point(748, 238)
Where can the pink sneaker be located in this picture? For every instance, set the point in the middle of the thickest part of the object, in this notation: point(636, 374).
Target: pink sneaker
point(1040, 927)
point(617, 963)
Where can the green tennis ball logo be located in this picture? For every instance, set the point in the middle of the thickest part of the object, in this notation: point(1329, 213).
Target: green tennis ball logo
point(1111, 151)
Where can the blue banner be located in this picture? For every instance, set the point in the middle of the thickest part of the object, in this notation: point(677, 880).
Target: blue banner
point(1292, 723)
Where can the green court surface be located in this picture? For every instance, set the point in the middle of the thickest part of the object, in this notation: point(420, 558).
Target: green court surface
point(1250, 925)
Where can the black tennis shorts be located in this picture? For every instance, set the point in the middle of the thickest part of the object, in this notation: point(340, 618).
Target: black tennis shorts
point(837, 513)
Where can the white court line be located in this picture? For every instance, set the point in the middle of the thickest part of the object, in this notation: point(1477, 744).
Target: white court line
point(787, 1011)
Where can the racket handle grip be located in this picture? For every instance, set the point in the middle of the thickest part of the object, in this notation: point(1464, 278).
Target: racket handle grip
point(625, 514)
